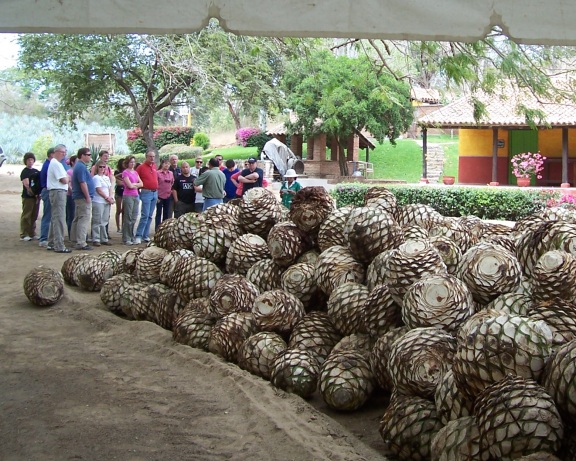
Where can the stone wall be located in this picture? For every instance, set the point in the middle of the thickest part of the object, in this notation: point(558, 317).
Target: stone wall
point(435, 163)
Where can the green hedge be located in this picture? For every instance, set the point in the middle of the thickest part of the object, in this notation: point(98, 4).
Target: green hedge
point(484, 202)
point(162, 135)
point(181, 150)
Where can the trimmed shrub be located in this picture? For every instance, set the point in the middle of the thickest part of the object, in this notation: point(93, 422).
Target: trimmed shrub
point(243, 134)
point(181, 150)
point(486, 203)
point(162, 136)
point(202, 140)
point(135, 141)
point(173, 135)
point(258, 140)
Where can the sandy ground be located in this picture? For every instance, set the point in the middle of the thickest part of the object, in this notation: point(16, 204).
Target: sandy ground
point(77, 382)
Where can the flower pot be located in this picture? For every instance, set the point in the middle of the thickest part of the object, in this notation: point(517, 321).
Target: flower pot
point(448, 180)
point(523, 182)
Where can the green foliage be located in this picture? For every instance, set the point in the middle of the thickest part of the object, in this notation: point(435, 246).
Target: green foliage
point(346, 94)
point(181, 150)
point(234, 152)
point(173, 135)
point(94, 151)
point(202, 140)
point(128, 75)
point(349, 194)
point(137, 145)
point(486, 203)
point(41, 145)
point(162, 136)
point(258, 140)
point(242, 71)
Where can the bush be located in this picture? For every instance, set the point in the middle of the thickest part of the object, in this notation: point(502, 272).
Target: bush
point(181, 150)
point(202, 140)
point(258, 140)
point(162, 136)
point(243, 134)
point(135, 141)
point(486, 203)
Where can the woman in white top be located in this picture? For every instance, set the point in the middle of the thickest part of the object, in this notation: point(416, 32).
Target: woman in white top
point(101, 204)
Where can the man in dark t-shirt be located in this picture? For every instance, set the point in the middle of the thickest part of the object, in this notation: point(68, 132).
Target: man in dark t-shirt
point(183, 192)
point(252, 176)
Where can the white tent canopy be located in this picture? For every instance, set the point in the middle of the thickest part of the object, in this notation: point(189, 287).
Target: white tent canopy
point(526, 21)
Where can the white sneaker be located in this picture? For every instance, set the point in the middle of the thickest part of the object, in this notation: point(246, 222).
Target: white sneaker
point(137, 241)
point(26, 238)
point(43, 244)
point(129, 242)
point(147, 240)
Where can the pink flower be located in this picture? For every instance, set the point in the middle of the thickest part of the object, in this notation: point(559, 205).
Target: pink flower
point(527, 164)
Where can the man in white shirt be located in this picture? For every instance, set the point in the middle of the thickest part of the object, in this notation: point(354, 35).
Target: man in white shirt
point(195, 171)
point(57, 185)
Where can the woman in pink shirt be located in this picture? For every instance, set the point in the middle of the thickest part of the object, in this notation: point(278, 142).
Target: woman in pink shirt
point(130, 200)
point(165, 182)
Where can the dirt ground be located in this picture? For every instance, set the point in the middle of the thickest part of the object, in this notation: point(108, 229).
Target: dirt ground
point(78, 382)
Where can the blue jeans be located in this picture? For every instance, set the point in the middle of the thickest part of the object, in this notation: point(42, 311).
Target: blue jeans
point(163, 207)
point(46, 215)
point(70, 212)
point(148, 200)
point(208, 202)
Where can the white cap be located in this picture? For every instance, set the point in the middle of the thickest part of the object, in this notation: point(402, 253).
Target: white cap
point(291, 174)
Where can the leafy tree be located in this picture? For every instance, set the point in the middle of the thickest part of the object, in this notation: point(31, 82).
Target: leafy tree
point(17, 97)
point(493, 64)
point(133, 76)
point(338, 95)
point(242, 72)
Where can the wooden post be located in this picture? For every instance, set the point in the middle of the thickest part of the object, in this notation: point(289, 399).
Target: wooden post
point(565, 156)
point(494, 154)
point(424, 152)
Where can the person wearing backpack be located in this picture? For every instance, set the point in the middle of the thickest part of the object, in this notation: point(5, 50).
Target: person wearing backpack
point(30, 178)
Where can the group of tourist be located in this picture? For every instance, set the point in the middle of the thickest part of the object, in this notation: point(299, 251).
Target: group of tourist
point(78, 198)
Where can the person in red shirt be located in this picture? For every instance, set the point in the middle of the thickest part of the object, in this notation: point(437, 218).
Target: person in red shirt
point(148, 196)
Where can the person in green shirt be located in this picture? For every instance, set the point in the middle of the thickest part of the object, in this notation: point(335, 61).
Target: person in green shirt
point(212, 182)
point(289, 188)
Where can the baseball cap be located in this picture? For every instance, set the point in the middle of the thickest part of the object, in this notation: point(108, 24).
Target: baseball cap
point(252, 160)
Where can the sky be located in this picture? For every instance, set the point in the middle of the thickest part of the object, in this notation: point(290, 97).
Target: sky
point(8, 50)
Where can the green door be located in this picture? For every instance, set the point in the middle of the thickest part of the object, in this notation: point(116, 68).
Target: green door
point(521, 141)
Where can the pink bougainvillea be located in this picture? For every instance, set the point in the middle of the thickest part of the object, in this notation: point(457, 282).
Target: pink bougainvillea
point(243, 134)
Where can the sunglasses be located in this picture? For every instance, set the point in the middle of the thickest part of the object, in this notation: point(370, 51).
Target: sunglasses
point(198, 162)
point(101, 166)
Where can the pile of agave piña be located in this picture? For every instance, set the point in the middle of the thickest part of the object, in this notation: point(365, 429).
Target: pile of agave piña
point(469, 325)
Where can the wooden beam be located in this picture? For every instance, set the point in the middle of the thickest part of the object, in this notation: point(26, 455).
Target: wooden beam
point(564, 155)
point(424, 153)
point(495, 154)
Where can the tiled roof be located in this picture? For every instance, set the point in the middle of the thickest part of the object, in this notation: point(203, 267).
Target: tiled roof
point(427, 95)
point(500, 111)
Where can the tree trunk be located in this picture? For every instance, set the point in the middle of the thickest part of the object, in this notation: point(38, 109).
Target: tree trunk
point(147, 127)
point(234, 115)
point(343, 164)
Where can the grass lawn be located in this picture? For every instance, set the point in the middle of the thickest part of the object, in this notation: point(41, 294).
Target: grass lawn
point(235, 152)
point(400, 162)
point(404, 161)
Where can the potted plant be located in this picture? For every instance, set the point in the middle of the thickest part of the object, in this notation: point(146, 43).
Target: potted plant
point(526, 166)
